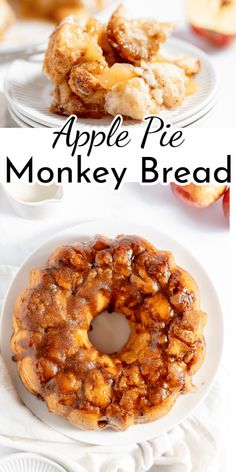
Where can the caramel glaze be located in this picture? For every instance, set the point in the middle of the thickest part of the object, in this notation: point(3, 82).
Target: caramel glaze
point(52, 317)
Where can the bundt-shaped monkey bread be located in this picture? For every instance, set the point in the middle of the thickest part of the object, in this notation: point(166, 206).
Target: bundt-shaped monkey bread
point(52, 318)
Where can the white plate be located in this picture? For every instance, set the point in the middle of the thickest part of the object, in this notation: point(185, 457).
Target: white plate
point(17, 120)
point(29, 91)
point(213, 333)
point(26, 462)
point(26, 36)
point(25, 122)
point(198, 117)
point(203, 120)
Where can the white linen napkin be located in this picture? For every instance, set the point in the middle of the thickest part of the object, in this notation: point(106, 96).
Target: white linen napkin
point(193, 446)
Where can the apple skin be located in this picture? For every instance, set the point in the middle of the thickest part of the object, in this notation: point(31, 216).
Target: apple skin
point(217, 39)
point(226, 205)
point(198, 196)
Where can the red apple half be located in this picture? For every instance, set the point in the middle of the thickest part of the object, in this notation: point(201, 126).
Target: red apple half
point(226, 204)
point(199, 196)
point(217, 39)
point(214, 20)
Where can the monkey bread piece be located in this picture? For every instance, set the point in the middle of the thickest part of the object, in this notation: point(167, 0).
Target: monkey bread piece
point(190, 65)
point(158, 85)
point(172, 83)
point(84, 83)
point(115, 69)
point(136, 40)
point(7, 17)
point(71, 45)
point(65, 102)
point(132, 98)
point(57, 10)
point(52, 317)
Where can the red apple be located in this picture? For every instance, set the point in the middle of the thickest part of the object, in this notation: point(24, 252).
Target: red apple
point(199, 196)
point(217, 39)
point(226, 204)
point(213, 20)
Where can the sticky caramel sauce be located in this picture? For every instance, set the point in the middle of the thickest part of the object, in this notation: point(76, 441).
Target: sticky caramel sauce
point(192, 87)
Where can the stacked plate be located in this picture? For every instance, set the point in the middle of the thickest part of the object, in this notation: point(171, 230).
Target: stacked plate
point(29, 94)
point(27, 462)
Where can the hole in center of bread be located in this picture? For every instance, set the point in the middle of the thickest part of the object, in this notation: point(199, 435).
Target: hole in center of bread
point(109, 332)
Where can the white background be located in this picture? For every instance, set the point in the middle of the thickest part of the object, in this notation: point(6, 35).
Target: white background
point(204, 232)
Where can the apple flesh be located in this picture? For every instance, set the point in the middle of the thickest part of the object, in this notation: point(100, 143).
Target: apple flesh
point(198, 196)
point(226, 205)
point(213, 20)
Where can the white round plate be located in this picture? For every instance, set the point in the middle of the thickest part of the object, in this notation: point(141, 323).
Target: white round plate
point(213, 333)
point(30, 92)
point(18, 120)
point(25, 36)
point(23, 121)
point(202, 120)
point(26, 462)
point(198, 118)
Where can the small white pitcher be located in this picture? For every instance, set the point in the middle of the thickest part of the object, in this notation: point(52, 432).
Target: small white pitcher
point(32, 201)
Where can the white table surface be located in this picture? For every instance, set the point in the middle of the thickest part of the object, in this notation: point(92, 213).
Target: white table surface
point(204, 232)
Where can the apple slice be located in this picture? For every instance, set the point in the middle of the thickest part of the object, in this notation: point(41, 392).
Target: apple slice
point(198, 196)
point(115, 74)
point(226, 205)
point(214, 20)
